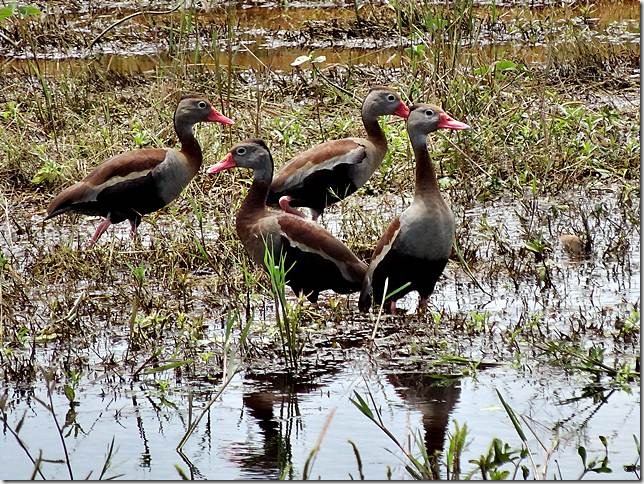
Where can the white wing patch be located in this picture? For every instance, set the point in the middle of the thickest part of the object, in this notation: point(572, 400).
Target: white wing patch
point(379, 258)
point(353, 157)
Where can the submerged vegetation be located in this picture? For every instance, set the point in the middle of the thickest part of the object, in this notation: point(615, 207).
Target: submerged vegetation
point(552, 94)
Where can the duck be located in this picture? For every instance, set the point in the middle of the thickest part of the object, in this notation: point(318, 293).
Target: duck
point(138, 182)
point(414, 249)
point(331, 171)
point(315, 260)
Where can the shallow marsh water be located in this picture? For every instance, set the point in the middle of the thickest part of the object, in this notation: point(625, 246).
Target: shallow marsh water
point(259, 425)
point(265, 420)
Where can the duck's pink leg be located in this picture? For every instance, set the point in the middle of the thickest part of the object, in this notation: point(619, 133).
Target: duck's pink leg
point(285, 204)
point(102, 227)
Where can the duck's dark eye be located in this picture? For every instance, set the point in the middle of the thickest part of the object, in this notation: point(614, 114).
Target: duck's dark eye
point(429, 113)
point(202, 104)
point(391, 98)
point(241, 151)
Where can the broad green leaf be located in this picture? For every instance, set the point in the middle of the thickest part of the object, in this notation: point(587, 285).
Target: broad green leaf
point(505, 65)
point(69, 393)
point(581, 450)
point(29, 11)
point(6, 12)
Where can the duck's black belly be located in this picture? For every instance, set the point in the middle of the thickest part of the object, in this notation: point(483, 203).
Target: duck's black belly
point(320, 189)
point(401, 269)
point(126, 200)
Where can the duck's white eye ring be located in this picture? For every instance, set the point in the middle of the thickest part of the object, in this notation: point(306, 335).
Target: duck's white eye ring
point(391, 98)
point(429, 113)
point(241, 151)
point(202, 104)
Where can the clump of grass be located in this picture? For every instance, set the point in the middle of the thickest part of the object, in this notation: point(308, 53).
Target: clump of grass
point(287, 315)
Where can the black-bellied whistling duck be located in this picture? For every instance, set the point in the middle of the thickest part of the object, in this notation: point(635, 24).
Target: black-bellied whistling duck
point(314, 258)
point(132, 184)
point(415, 247)
point(333, 170)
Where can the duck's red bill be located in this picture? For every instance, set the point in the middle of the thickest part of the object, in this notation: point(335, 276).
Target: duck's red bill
point(216, 117)
point(226, 163)
point(402, 110)
point(445, 121)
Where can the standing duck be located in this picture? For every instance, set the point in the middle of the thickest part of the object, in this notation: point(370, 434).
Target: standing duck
point(333, 170)
point(314, 258)
point(415, 247)
point(137, 182)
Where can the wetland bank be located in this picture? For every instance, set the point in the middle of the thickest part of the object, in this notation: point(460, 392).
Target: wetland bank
point(527, 362)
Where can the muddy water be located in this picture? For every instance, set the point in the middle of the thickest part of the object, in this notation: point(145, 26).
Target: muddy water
point(265, 36)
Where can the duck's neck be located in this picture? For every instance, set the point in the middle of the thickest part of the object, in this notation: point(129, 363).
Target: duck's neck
point(375, 134)
point(189, 144)
point(256, 198)
point(426, 183)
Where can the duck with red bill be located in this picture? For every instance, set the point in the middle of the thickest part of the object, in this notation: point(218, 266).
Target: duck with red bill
point(315, 259)
point(329, 172)
point(139, 182)
point(413, 252)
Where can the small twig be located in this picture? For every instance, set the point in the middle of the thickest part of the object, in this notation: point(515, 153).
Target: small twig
point(50, 407)
point(35, 462)
point(37, 466)
point(132, 15)
point(192, 427)
point(461, 259)
point(337, 86)
point(138, 370)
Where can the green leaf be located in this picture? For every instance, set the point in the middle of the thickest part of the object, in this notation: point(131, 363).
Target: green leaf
point(637, 443)
point(481, 71)
point(69, 393)
point(360, 403)
point(505, 65)
point(29, 11)
point(581, 450)
point(513, 417)
point(497, 475)
point(603, 441)
point(6, 12)
point(181, 472)
point(525, 472)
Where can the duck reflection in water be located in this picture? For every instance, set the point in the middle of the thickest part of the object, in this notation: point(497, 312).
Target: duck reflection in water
point(435, 398)
point(273, 402)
